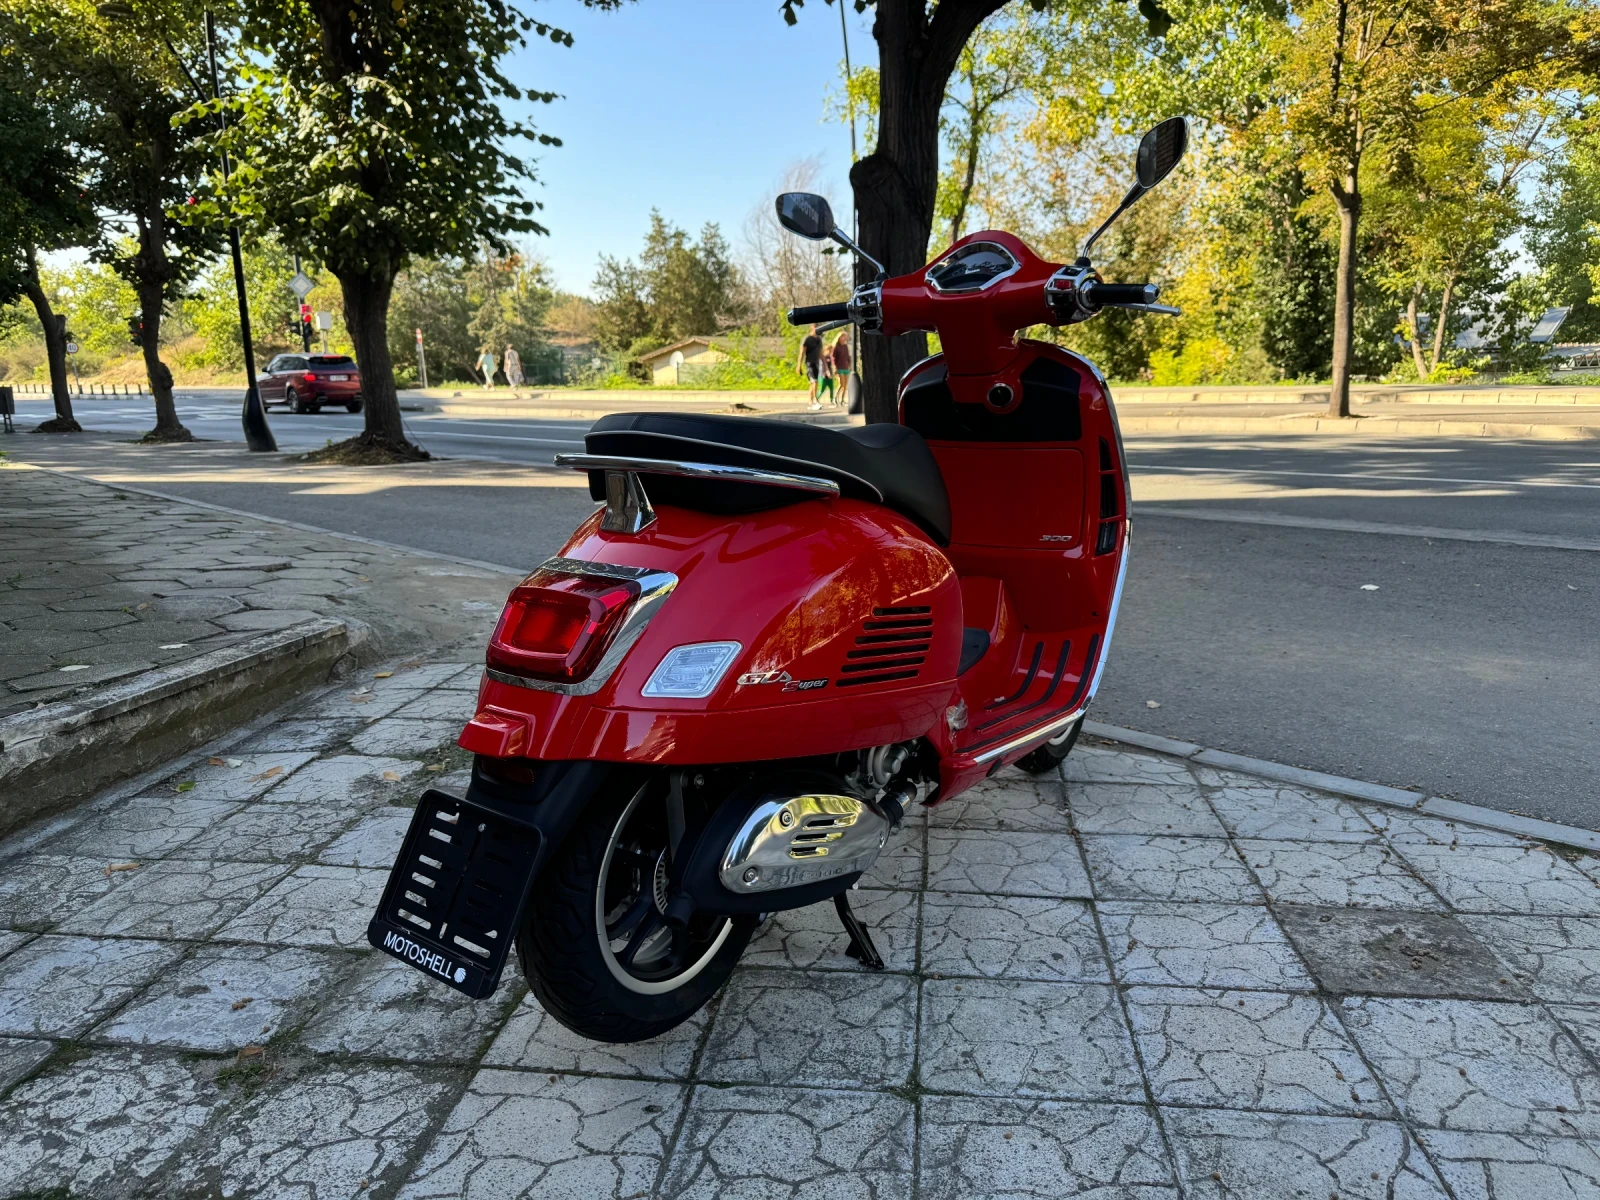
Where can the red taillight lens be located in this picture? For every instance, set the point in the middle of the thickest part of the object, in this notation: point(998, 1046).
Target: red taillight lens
point(557, 626)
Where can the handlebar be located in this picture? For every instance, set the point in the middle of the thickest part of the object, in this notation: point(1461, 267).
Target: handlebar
point(819, 314)
point(1099, 295)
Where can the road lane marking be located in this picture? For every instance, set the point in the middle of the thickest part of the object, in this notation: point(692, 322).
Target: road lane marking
point(1541, 541)
point(1241, 472)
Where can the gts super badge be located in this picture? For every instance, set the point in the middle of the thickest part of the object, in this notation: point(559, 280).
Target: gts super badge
point(789, 682)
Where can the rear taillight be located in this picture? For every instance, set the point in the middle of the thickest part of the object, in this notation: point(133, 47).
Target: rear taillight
point(556, 626)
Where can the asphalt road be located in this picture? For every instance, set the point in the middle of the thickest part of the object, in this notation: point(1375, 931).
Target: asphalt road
point(1472, 670)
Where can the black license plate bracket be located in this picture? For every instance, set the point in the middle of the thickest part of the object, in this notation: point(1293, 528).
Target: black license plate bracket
point(456, 893)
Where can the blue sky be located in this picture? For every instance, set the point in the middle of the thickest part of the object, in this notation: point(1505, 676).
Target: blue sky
point(695, 109)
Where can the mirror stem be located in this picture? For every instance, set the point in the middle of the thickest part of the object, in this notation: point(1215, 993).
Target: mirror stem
point(1134, 193)
point(844, 240)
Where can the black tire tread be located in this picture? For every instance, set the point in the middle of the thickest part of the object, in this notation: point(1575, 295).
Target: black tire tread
point(559, 953)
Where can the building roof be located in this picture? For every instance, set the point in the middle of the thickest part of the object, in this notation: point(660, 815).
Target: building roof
point(761, 347)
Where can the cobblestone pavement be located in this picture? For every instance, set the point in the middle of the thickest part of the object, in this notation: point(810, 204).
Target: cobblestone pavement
point(1142, 980)
point(97, 584)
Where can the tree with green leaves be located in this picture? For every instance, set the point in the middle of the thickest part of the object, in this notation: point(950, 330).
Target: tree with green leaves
point(128, 86)
point(43, 206)
point(676, 289)
point(367, 133)
point(1359, 77)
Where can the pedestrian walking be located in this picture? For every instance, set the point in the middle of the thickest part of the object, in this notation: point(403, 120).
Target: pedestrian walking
point(827, 381)
point(486, 366)
point(513, 367)
point(842, 365)
point(810, 362)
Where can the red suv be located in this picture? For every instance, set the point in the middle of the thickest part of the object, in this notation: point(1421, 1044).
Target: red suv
point(305, 382)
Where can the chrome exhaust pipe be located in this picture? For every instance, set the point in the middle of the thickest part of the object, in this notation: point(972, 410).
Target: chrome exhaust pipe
point(801, 840)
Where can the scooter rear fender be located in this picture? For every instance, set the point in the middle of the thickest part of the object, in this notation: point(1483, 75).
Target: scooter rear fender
point(815, 593)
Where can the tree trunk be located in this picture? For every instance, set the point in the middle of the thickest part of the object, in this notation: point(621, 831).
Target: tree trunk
point(1438, 330)
point(366, 316)
point(1414, 336)
point(55, 349)
point(897, 184)
point(1348, 201)
point(168, 427)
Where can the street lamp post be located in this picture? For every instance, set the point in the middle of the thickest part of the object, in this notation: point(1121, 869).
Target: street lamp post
point(257, 433)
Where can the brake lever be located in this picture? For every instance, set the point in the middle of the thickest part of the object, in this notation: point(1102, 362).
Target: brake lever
point(1165, 310)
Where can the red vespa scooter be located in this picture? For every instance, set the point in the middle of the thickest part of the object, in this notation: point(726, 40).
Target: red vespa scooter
point(720, 698)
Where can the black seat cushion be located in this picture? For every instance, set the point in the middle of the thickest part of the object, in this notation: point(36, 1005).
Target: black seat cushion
point(886, 464)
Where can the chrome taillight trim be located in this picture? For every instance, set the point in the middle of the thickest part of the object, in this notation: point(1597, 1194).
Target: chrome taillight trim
point(654, 588)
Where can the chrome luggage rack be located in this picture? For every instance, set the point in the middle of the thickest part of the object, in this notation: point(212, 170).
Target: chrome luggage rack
point(628, 508)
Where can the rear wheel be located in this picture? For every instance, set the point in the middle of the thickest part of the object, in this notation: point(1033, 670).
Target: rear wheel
point(296, 405)
point(1045, 758)
point(596, 947)
point(354, 406)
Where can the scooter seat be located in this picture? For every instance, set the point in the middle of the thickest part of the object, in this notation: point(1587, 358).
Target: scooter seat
point(885, 464)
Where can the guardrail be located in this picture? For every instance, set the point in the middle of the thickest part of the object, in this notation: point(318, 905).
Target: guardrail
point(82, 389)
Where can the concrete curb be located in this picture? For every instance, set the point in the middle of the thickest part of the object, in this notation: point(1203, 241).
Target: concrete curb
point(53, 755)
point(1356, 789)
point(1358, 427)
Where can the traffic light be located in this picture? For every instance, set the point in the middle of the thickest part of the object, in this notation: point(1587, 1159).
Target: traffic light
point(305, 323)
point(136, 331)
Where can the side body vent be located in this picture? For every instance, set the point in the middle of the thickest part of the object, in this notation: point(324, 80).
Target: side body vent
point(1110, 502)
point(893, 644)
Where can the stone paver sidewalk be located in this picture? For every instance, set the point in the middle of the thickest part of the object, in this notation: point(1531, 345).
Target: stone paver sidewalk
point(1142, 980)
point(101, 583)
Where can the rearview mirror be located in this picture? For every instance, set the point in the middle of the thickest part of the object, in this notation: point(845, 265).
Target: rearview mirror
point(805, 214)
point(1160, 151)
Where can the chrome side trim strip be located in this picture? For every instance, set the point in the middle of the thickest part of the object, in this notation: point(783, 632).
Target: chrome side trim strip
point(1038, 733)
point(655, 586)
point(1111, 617)
point(694, 470)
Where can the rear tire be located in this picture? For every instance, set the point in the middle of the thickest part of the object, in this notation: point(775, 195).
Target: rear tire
point(296, 405)
point(1048, 756)
point(599, 895)
point(355, 408)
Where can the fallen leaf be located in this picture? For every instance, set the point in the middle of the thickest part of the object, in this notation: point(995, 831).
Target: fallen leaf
point(414, 663)
point(76, 667)
point(1369, 587)
point(1152, 704)
point(236, 762)
point(361, 698)
point(392, 776)
point(434, 767)
point(141, 607)
point(187, 786)
point(267, 774)
point(251, 1051)
point(245, 1003)
point(174, 646)
point(383, 674)
point(363, 579)
point(111, 868)
point(216, 762)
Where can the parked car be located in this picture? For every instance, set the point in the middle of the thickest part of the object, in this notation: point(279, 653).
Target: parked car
point(305, 382)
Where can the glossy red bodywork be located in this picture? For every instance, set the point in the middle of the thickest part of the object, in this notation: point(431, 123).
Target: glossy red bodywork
point(796, 587)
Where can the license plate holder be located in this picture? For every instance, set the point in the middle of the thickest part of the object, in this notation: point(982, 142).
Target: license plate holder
point(338, 379)
point(454, 896)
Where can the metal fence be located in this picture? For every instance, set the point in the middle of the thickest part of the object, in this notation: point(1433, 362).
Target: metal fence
point(82, 389)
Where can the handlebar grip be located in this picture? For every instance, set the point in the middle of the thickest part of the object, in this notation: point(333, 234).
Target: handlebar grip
point(1101, 294)
point(819, 314)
